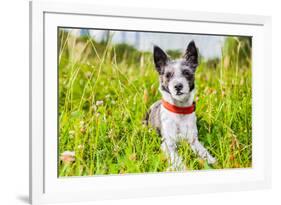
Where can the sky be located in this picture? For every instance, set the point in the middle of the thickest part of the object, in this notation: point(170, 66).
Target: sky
point(209, 46)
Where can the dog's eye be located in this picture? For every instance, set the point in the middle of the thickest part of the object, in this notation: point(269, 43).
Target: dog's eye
point(168, 75)
point(185, 72)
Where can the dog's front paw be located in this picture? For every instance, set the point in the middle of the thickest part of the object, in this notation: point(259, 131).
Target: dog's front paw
point(211, 160)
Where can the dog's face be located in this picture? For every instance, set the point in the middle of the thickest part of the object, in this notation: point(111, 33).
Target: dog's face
point(177, 76)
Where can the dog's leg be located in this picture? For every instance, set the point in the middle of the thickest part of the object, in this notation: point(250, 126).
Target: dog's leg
point(175, 161)
point(199, 149)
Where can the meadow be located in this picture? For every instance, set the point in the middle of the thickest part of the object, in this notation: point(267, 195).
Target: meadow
point(105, 91)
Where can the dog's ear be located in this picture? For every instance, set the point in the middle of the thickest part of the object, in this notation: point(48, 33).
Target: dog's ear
point(191, 55)
point(160, 58)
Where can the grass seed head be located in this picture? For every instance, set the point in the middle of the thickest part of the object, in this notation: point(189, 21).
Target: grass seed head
point(145, 96)
point(133, 157)
point(88, 75)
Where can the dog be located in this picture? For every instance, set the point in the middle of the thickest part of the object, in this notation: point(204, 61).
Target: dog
point(174, 116)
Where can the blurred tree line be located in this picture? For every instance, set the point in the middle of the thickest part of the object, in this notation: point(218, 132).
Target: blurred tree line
point(236, 51)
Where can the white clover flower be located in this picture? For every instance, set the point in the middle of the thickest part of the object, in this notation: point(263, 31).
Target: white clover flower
point(67, 156)
point(99, 102)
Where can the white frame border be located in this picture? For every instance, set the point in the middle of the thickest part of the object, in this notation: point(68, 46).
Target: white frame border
point(37, 11)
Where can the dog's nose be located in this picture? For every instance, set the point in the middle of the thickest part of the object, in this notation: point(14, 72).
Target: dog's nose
point(178, 87)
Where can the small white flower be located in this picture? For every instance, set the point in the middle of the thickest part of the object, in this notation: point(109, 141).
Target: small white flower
point(82, 123)
point(67, 156)
point(99, 102)
point(71, 134)
point(80, 146)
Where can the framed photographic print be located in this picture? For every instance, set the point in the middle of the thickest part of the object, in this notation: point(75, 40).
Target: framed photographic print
point(131, 102)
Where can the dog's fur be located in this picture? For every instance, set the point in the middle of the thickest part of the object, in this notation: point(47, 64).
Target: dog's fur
point(177, 88)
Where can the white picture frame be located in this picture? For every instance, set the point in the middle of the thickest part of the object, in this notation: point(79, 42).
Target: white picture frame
point(46, 187)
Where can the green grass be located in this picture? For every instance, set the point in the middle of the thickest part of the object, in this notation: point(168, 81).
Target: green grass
point(103, 98)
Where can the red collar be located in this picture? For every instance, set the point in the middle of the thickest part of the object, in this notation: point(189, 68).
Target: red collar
point(179, 110)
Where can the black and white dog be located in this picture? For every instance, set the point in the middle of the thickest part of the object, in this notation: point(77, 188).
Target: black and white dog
point(174, 116)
